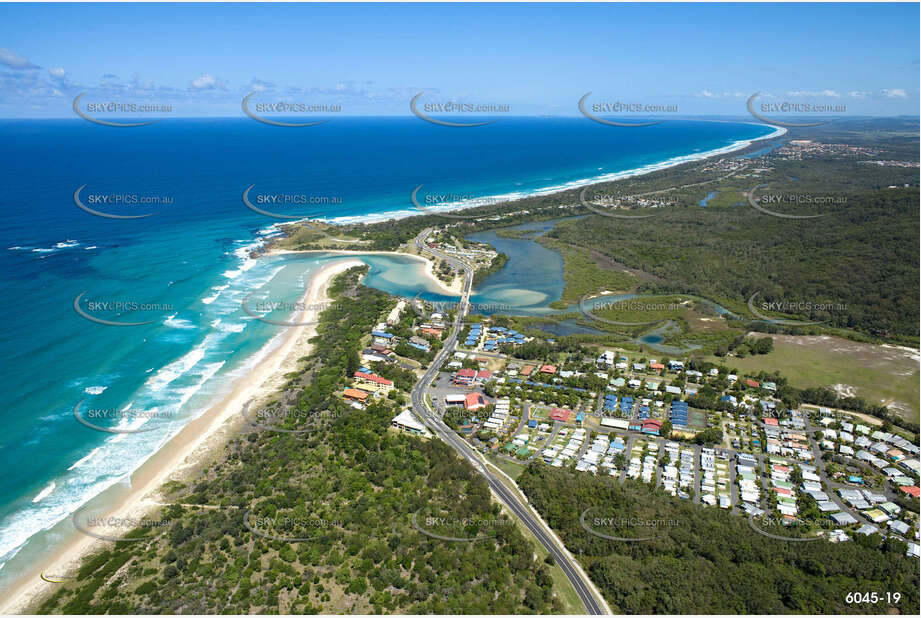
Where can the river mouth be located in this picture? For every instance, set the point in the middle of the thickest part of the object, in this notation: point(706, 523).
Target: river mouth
point(526, 286)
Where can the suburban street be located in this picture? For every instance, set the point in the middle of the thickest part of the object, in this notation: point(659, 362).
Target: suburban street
point(592, 600)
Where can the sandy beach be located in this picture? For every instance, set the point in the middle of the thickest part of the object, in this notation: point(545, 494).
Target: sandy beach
point(196, 445)
point(455, 289)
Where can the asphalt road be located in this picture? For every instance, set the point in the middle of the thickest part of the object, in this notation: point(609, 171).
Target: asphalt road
point(508, 498)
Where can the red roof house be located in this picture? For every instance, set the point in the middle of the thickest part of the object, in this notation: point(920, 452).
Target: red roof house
point(560, 414)
point(357, 395)
point(465, 376)
point(475, 401)
point(370, 377)
point(551, 369)
point(651, 425)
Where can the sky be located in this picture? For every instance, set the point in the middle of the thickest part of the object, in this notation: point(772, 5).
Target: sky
point(371, 59)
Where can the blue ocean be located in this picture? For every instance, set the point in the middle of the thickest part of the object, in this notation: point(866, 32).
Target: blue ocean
point(181, 275)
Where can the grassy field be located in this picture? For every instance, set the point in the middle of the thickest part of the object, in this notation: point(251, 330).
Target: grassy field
point(880, 374)
point(512, 469)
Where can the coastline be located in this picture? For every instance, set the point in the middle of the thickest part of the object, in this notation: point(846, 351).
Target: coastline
point(455, 289)
point(198, 443)
point(493, 200)
point(212, 422)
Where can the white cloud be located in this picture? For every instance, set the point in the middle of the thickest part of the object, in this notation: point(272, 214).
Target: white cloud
point(810, 93)
point(205, 82)
point(859, 94)
point(57, 72)
point(15, 61)
point(709, 94)
point(894, 93)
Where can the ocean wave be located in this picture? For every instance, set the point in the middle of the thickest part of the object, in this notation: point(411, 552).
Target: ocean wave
point(65, 244)
point(207, 372)
point(107, 465)
point(85, 458)
point(172, 387)
point(244, 252)
point(42, 515)
point(45, 492)
point(180, 323)
point(160, 380)
point(217, 292)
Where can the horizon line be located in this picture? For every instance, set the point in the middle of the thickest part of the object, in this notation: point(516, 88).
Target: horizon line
point(743, 117)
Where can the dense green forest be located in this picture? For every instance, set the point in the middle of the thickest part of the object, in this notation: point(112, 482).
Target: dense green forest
point(864, 257)
point(348, 489)
point(706, 561)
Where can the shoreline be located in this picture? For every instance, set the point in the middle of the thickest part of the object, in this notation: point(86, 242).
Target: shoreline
point(507, 198)
point(197, 444)
point(455, 289)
